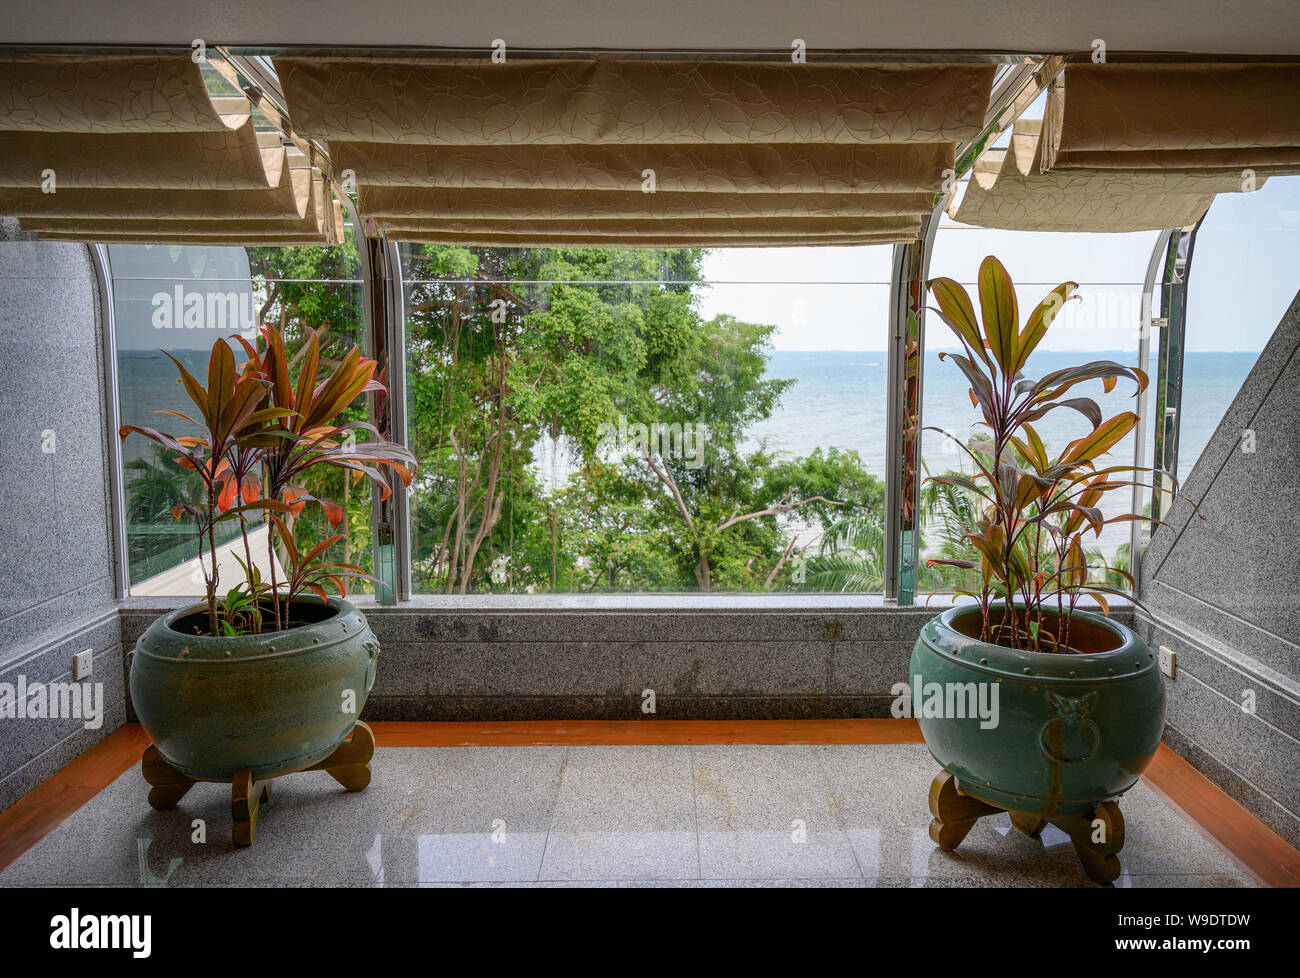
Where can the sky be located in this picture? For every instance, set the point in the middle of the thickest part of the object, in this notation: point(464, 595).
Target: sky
point(1245, 272)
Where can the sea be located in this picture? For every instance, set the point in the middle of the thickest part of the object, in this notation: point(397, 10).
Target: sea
point(838, 400)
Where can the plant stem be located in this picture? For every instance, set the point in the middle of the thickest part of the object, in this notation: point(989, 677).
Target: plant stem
point(275, 585)
point(248, 556)
point(212, 551)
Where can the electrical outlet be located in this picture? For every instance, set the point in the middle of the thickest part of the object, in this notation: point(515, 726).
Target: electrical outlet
point(83, 664)
point(1168, 661)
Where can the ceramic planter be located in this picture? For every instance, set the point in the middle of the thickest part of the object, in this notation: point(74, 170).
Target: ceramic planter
point(272, 703)
point(1071, 729)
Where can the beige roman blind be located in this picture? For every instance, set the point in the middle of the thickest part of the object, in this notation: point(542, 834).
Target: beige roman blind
point(1009, 189)
point(1134, 147)
point(1189, 118)
point(639, 153)
point(134, 148)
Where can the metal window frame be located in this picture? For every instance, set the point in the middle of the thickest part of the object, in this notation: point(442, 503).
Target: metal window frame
point(385, 342)
point(113, 417)
point(1169, 376)
point(906, 396)
point(1016, 90)
point(401, 498)
point(1153, 279)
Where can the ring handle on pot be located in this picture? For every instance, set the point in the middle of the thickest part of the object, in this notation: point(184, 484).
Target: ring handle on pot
point(1049, 740)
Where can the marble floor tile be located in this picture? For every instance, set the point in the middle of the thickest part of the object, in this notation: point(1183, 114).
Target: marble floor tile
point(633, 816)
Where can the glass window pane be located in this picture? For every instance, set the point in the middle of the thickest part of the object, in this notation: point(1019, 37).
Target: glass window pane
point(1243, 279)
point(1101, 324)
point(179, 299)
point(595, 421)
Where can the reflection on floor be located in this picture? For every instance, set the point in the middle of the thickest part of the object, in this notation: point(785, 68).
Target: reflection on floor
point(602, 816)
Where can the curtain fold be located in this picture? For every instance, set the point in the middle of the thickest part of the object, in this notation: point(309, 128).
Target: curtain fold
point(898, 228)
point(230, 159)
point(592, 102)
point(133, 146)
point(102, 94)
point(1177, 117)
point(395, 203)
point(640, 153)
point(781, 168)
point(1136, 147)
point(291, 197)
point(572, 240)
point(1004, 194)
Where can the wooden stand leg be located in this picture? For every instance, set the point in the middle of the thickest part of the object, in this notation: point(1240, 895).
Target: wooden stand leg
point(1097, 838)
point(1098, 841)
point(168, 785)
point(349, 765)
point(954, 814)
point(1031, 825)
point(246, 795)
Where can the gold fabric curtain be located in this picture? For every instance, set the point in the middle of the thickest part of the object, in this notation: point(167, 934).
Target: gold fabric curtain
point(639, 153)
point(772, 168)
point(1009, 189)
point(126, 147)
point(1134, 147)
point(1191, 118)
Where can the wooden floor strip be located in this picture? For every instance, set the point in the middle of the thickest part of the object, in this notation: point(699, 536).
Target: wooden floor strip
point(644, 732)
point(1252, 845)
point(1268, 858)
point(43, 809)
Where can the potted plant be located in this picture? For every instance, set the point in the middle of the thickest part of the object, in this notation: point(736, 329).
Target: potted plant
point(1031, 704)
point(266, 676)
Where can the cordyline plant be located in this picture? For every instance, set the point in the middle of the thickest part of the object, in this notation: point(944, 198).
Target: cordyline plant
point(260, 436)
point(1033, 509)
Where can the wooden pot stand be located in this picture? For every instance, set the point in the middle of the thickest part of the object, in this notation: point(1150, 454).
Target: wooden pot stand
point(956, 813)
point(349, 765)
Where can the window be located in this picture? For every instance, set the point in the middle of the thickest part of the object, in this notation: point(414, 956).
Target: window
point(1102, 324)
point(1243, 279)
point(178, 299)
point(622, 420)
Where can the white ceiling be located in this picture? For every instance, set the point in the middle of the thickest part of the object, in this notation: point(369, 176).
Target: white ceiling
point(1269, 27)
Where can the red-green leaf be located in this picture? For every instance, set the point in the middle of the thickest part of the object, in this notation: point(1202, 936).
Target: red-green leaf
point(1001, 313)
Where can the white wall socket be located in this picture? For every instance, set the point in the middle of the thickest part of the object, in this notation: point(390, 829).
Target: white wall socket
point(1168, 661)
point(83, 664)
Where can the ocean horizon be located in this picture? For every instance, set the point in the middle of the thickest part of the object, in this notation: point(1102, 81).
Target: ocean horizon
point(837, 400)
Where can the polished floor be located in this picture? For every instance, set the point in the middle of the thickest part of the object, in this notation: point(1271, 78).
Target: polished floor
point(683, 814)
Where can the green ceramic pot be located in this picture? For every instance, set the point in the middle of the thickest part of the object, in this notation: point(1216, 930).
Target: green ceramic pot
point(1070, 730)
point(272, 703)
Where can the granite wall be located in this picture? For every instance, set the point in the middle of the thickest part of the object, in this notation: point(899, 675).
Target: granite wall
point(742, 658)
point(56, 590)
point(1222, 580)
point(592, 658)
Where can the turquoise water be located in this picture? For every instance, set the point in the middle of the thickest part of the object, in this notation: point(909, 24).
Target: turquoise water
point(838, 401)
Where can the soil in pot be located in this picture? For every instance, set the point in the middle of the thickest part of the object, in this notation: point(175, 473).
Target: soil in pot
point(300, 613)
point(1084, 636)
